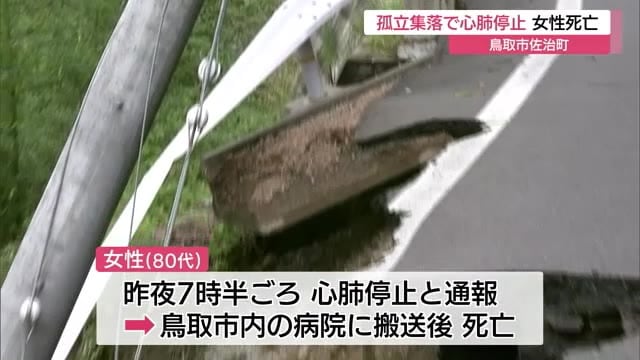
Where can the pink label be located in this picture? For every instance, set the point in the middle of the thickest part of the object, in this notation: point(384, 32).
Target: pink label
point(152, 258)
point(529, 44)
point(616, 31)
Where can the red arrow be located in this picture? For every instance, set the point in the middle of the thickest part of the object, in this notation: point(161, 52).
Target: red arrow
point(139, 325)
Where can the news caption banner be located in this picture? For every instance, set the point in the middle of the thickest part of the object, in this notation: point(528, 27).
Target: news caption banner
point(166, 297)
point(504, 32)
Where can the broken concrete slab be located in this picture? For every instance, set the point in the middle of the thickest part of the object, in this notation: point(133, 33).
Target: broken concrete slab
point(406, 114)
point(306, 164)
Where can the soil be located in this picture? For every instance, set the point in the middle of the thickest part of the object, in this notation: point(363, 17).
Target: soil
point(254, 175)
point(314, 163)
point(193, 229)
point(353, 166)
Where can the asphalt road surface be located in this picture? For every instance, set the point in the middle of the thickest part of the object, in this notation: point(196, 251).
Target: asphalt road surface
point(558, 189)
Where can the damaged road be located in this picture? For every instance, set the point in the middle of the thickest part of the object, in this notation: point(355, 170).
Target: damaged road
point(557, 190)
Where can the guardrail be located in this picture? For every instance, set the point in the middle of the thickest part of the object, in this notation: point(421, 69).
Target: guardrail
point(324, 55)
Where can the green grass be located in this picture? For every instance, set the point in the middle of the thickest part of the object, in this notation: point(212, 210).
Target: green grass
point(383, 45)
point(261, 109)
point(55, 47)
point(343, 39)
point(49, 51)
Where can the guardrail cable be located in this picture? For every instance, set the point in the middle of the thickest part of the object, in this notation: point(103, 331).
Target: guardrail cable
point(209, 71)
point(143, 126)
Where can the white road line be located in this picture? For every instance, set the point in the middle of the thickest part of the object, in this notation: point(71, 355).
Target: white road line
point(419, 198)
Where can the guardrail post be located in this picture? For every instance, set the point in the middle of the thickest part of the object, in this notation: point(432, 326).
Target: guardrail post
point(311, 71)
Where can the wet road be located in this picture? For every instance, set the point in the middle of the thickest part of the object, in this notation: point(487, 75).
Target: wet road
point(558, 189)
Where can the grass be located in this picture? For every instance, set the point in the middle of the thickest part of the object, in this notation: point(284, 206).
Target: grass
point(383, 45)
point(345, 37)
point(261, 109)
point(55, 60)
point(49, 52)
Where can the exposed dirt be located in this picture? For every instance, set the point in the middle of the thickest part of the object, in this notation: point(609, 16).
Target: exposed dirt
point(295, 172)
point(354, 166)
point(193, 229)
point(254, 175)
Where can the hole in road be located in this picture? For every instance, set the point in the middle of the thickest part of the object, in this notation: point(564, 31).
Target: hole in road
point(356, 71)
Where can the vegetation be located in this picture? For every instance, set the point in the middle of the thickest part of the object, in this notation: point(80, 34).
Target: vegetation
point(344, 37)
point(48, 52)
